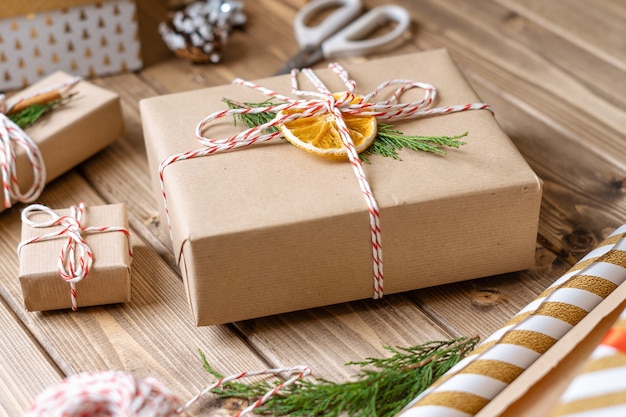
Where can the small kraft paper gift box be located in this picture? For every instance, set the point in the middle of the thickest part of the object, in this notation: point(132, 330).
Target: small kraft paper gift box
point(84, 37)
point(269, 228)
point(45, 236)
point(87, 122)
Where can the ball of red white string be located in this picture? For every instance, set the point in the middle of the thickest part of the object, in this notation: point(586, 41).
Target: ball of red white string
point(100, 394)
point(118, 394)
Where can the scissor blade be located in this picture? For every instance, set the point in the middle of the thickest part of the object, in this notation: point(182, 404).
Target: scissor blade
point(303, 59)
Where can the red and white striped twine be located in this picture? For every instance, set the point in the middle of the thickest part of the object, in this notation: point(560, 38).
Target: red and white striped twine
point(297, 372)
point(118, 394)
point(315, 104)
point(11, 135)
point(76, 258)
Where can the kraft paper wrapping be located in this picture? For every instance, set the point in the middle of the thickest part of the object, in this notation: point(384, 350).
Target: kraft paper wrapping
point(86, 38)
point(507, 374)
point(109, 280)
point(271, 229)
point(71, 133)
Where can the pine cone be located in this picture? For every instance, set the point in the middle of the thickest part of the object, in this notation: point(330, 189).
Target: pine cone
point(200, 31)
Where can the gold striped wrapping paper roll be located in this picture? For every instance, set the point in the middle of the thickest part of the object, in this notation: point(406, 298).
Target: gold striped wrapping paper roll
point(466, 388)
point(599, 390)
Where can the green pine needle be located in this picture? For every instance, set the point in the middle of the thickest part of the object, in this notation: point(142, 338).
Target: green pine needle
point(382, 388)
point(252, 119)
point(31, 114)
point(387, 143)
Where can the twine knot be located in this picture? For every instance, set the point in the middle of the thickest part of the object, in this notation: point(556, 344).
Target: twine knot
point(76, 258)
point(316, 103)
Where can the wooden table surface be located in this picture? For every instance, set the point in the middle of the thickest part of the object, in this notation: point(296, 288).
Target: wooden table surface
point(555, 73)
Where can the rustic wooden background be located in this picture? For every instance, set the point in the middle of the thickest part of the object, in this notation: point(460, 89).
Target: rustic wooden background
point(555, 72)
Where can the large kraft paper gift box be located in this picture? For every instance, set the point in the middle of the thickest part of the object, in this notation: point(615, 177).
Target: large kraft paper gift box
point(71, 133)
point(84, 37)
point(270, 228)
point(107, 282)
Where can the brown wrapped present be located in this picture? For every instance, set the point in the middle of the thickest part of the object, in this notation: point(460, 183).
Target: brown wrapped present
point(65, 137)
point(270, 229)
point(100, 271)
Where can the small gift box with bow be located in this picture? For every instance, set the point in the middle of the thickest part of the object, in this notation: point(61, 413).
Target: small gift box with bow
point(74, 257)
point(84, 37)
point(87, 119)
point(260, 227)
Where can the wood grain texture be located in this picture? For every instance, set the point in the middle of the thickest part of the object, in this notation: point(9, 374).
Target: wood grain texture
point(24, 369)
point(554, 73)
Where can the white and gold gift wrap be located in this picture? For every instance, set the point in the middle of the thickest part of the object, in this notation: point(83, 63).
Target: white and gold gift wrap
point(599, 390)
point(498, 360)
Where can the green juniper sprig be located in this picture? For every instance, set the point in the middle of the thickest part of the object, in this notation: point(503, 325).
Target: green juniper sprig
point(382, 388)
point(387, 143)
point(252, 119)
point(34, 112)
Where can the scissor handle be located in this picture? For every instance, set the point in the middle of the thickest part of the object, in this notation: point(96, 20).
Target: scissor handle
point(350, 40)
point(313, 36)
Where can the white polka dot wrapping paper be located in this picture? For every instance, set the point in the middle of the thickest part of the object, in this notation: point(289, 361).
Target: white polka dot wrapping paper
point(83, 38)
point(523, 368)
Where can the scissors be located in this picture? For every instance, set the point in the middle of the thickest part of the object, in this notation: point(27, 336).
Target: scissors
point(342, 33)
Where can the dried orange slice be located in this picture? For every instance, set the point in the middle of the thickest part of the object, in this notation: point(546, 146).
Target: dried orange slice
point(319, 134)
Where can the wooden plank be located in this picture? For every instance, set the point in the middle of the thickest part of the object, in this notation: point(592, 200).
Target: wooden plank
point(480, 307)
point(326, 338)
point(149, 14)
point(583, 200)
point(596, 26)
point(574, 142)
point(482, 39)
point(25, 370)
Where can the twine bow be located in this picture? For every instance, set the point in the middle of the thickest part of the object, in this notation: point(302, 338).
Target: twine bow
point(314, 104)
point(76, 257)
point(12, 136)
